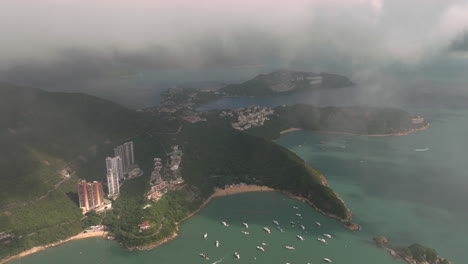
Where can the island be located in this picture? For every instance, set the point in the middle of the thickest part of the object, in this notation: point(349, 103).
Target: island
point(56, 144)
point(413, 254)
point(286, 81)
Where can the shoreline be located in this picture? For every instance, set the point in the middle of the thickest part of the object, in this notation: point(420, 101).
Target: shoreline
point(33, 250)
point(236, 189)
point(399, 134)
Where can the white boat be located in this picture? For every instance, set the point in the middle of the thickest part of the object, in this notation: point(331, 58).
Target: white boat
point(217, 243)
point(299, 215)
point(203, 256)
point(246, 225)
point(292, 223)
point(275, 222)
point(224, 223)
point(260, 248)
point(237, 255)
point(327, 235)
point(322, 240)
point(245, 232)
point(267, 230)
point(295, 207)
point(423, 149)
point(205, 235)
point(328, 260)
point(318, 223)
point(290, 247)
point(303, 227)
point(300, 237)
point(263, 244)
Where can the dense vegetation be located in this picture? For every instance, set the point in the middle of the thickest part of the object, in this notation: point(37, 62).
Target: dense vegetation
point(42, 133)
point(356, 120)
point(422, 254)
point(217, 155)
point(262, 84)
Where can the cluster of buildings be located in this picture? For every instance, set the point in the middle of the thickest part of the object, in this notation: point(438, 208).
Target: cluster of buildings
point(165, 177)
point(6, 237)
point(249, 117)
point(118, 168)
point(417, 120)
point(91, 197)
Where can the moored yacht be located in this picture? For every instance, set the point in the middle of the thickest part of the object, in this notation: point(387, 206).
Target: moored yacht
point(300, 237)
point(205, 235)
point(318, 223)
point(275, 222)
point(303, 227)
point(217, 243)
point(322, 240)
point(237, 255)
point(328, 260)
point(245, 232)
point(224, 223)
point(327, 235)
point(267, 230)
point(289, 247)
point(260, 248)
point(246, 225)
point(203, 256)
point(299, 215)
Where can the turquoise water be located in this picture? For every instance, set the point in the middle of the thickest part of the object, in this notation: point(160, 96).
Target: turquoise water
point(393, 190)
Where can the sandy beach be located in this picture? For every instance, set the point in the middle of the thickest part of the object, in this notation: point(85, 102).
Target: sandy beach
point(290, 130)
point(41, 248)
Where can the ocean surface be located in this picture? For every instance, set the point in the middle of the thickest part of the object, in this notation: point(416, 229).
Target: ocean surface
point(409, 189)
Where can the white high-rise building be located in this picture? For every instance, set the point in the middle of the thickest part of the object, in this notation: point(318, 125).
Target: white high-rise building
point(125, 152)
point(114, 174)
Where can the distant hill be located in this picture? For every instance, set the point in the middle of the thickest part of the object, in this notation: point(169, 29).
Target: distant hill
point(286, 81)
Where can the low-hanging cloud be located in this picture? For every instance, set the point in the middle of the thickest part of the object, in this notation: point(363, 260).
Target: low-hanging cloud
point(50, 41)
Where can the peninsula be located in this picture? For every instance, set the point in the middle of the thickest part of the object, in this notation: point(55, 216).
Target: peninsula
point(413, 254)
point(55, 139)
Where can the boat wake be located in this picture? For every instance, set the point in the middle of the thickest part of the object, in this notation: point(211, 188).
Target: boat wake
point(218, 261)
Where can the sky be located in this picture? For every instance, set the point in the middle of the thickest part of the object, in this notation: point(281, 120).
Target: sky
point(49, 42)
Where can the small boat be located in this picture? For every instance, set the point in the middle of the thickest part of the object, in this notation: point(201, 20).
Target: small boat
point(300, 237)
point(303, 227)
point(318, 223)
point(290, 247)
point(275, 222)
point(224, 223)
point(246, 225)
point(267, 230)
point(245, 232)
point(237, 255)
point(328, 260)
point(423, 149)
point(295, 207)
point(299, 215)
point(217, 243)
point(260, 248)
point(327, 235)
point(292, 223)
point(322, 240)
point(203, 256)
point(263, 244)
point(205, 235)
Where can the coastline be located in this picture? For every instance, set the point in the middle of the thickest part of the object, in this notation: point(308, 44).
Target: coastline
point(231, 190)
point(54, 244)
point(399, 134)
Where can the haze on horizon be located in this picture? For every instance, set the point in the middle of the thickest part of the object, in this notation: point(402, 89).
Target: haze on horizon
point(69, 45)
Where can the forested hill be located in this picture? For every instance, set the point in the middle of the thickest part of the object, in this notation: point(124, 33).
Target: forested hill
point(286, 81)
point(42, 133)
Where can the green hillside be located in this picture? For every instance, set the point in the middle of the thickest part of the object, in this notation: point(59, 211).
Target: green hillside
point(43, 133)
